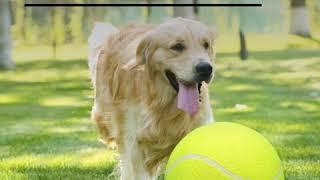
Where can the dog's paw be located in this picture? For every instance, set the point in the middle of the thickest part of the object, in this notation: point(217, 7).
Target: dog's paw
point(110, 144)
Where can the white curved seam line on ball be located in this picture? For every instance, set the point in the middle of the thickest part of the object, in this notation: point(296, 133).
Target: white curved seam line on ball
point(205, 159)
point(277, 177)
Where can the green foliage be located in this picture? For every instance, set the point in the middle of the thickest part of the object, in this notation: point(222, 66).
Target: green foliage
point(75, 26)
point(58, 25)
point(17, 28)
point(76, 32)
point(314, 8)
point(31, 30)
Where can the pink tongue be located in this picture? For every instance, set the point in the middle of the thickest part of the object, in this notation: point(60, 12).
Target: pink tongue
point(188, 98)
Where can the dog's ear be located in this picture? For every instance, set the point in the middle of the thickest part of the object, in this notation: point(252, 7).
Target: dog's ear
point(144, 52)
point(143, 49)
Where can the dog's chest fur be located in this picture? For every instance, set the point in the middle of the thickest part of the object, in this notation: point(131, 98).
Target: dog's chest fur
point(156, 129)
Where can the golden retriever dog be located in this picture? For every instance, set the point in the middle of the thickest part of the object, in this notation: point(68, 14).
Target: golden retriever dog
point(151, 89)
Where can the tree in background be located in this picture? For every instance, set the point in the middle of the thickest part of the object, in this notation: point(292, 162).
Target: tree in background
point(5, 39)
point(148, 11)
point(195, 9)
point(299, 22)
point(243, 46)
point(183, 11)
point(18, 31)
point(76, 23)
point(32, 24)
point(58, 28)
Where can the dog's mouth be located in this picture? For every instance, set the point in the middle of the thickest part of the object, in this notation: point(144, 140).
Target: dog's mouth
point(188, 93)
point(174, 81)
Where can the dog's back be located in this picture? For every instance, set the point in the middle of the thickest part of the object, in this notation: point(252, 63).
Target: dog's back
point(105, 37)
point(100, 33)
point(123, 44)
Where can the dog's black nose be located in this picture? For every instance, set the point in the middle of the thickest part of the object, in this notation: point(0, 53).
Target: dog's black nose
point(204, 69)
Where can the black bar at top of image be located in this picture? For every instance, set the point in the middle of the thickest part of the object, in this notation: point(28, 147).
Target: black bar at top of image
point(142, 4)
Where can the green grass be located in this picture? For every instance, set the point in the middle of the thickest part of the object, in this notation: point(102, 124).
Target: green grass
point(45, 104)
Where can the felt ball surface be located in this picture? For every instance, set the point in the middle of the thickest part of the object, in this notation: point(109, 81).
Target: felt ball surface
point(224, 151)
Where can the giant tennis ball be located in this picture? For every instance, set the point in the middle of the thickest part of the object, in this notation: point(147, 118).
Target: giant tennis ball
point(224, 151)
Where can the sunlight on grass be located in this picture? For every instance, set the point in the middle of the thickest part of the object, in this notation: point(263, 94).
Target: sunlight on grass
point(235, 110)
point(40, 75)
point(89, 157)
point(62, 100)
point(8, 98)
point(241, 87)
point(262, 42)
point(68, 129)
point(299, 169)
point(65, 52)
point(86, 158)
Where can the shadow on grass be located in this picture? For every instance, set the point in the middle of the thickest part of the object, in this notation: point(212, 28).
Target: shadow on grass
point(34, 111)
point(272, 101)
point(47, 116)
point(52, 141)
point(29, 97)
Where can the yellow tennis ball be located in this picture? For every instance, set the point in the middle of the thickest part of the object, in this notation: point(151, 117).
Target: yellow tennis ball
point(224, 151)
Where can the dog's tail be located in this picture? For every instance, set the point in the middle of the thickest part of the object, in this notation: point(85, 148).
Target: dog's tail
point(100, 33)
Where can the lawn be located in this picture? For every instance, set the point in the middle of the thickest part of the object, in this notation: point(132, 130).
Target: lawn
point(46, 132)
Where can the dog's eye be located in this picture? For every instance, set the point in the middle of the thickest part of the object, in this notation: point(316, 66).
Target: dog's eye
point(206, 45)
point(178, 47)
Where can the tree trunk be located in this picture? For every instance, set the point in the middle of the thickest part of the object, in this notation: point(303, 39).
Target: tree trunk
point(299, 23)
point(195, 9)
point(149, 9)
point(5, 40)
point(183, 11)
point(243, 46)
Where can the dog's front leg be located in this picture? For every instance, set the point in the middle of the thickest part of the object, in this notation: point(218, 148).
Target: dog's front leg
point(132, 163)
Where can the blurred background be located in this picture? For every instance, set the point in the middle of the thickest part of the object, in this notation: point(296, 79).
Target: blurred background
point(55, 27)
point(268, 78)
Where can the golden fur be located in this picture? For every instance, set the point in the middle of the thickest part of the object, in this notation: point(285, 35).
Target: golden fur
point(135, 105)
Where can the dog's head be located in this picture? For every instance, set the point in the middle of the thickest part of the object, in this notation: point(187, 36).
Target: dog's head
point(182, 51)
